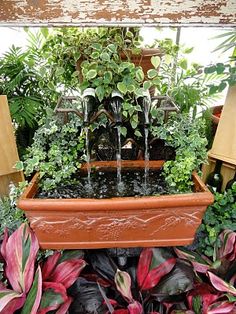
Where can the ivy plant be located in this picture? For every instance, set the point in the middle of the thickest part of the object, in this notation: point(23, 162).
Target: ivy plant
point(187, 136)
point(56, 152)
point(11, 216)
point(219, 216)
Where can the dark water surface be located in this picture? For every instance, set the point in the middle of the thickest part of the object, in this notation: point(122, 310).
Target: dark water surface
point(105, 185)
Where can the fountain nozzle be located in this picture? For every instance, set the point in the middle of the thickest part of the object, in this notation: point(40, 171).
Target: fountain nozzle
point(89, 105)
point(116, 106)
point(145, 103)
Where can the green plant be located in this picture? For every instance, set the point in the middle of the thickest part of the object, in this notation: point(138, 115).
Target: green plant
point(188, 138)
point(55, 152)
point(98, 49)
point(185, 83)
point(27, 82)
point(226, 71)
point(35, 290)
point(11, 216)
point(219, 216)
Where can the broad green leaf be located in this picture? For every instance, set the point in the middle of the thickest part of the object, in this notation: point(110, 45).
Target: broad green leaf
point(123, 131)
point(122, 87)
point(152, 73)
point(105, 56)
point(96, 46)
point(155, 60)
point(183, 64)
point(140, 75)
point(130, 88)
point(112, 48)
point(100, 92)
point(147, 85)
point(95, 55)
point(19, 165)
point(137, 133)
point(168, 59)
point(91, 74)
point(59, 71)
point(107, 77)
point(134, 124)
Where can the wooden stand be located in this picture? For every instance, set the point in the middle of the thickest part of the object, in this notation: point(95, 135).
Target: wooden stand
point(224, 145)
point(8, 150)
point(227, 171)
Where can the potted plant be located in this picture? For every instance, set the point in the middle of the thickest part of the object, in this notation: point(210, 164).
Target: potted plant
point(162, 220)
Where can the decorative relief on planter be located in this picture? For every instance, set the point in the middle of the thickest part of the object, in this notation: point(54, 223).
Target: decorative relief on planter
point(165, 220)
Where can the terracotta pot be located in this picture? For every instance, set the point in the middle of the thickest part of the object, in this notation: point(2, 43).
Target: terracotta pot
point(215, 110)
point(166, 220)
point(143, 59)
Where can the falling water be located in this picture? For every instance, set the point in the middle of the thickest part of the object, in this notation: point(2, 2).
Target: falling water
point(88, 157)
point(146, 157)
point(118, 159)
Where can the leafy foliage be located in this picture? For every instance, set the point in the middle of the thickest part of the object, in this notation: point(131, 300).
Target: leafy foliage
point(219, 216)
point(55, 152)
point(185, 83)
point(32, 290)
point(188, 139)
point(11, 216)
point(28, 83)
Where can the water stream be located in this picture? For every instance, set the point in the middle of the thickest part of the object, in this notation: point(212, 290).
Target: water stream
point(118, 159)
point(146, 159)
point(88, 157)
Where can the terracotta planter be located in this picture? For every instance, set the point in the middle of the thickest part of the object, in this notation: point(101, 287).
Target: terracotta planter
point(214, 116)
point(166, 220)
point(143, 59)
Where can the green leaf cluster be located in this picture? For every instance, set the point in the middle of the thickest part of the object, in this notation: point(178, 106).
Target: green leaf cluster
point(56, 152)
point(11, 216)
point(219, 216)
point(187, 136)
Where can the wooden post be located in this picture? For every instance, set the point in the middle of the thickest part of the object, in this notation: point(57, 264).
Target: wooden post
point(224, 145)
point(8, 150)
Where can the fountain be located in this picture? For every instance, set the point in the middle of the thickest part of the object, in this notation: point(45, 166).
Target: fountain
point(116, 220)
point(145, 103)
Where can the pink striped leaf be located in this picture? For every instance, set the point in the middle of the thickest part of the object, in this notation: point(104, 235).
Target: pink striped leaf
point(20, 255)
point(135, 308)
point(67, 272)
point(49, 265)
point(144, 263)
point(34, 296)
point(201, 264)
point(10, 301)
point(182, 312)
point(64, 307)
point(220, 284)
point(152, 267)
point(227, 249)
point(121, 311)
point(221, 307)
point(202, 296)
point(3, 245)
point(54, 295)
point(123, 284)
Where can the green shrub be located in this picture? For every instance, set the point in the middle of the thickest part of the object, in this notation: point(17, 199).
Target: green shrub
point(219, 216)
